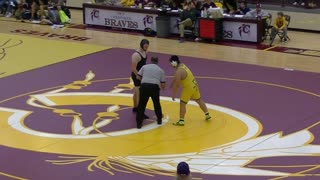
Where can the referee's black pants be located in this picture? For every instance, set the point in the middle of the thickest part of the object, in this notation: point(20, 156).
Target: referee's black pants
point(146, 91)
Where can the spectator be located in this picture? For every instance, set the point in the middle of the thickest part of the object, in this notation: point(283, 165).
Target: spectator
point(260, 14)
point(188, 18)
point(257, 13)
point(179, 3)
point(152, 79)
point(3, 6)
point(197, 4)
point(24, 10)
point(280, 24)
point(168, 4)
point(23, 6)
point(243, 8)
point(207, 4)
point(127, 2)
point(148, 3)
point(8, 7)
point(297, 2)
point(230, 5)
point(173, 4)
point(183, 172)
point(40, 5)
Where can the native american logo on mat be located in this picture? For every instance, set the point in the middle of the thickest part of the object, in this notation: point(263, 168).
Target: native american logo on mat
point(105, 140)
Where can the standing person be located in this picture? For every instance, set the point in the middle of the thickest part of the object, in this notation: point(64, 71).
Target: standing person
point(139, 59)
point(183, 171)
point(190, 89)
point(152, 79)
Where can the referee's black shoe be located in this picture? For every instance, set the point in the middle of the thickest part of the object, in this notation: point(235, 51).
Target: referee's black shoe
point(145, 116)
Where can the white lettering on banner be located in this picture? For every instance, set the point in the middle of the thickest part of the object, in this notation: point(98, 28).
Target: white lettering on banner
point(240, 31)
point(120, 19)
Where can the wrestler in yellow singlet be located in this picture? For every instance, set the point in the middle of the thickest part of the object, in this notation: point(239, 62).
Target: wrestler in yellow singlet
point(190, 89)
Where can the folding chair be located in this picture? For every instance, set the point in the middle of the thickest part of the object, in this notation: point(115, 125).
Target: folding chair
point(267, 28)
point(192, 31)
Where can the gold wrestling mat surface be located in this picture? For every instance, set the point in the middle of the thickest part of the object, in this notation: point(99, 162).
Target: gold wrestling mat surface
point(20, 53)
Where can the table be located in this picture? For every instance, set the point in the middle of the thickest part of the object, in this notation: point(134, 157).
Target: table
point(241, 29)
point(126, 18)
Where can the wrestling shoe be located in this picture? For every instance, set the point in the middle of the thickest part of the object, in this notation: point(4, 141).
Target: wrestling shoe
point(179, 123)
point(208, 117)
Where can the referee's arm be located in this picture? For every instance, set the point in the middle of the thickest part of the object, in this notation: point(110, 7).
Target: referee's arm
point(163, 81)
point(139, 75)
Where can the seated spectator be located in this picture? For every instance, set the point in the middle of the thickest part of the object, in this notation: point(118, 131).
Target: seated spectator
point(7, 7)
point(188, 18)
point(179, 3)
point(147, 3)
point(260, 14)
point(207, 4)
point(297, 2)
point(280, 24)
point(230, 6)
point(3, 6)
point(23, 11)
point(183, 172)
point(257, 13)
point(40, 5)
point(243, 8)
point(60, 5)
point(127, 3)
point(218, 3)
point(197, 4)
point(168, 4)
point(173, 4)
point(23, 5)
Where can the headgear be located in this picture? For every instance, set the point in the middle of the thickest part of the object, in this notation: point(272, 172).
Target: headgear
point(143, 42)
point(174, 60)
point(183, 168)
point(154, 60)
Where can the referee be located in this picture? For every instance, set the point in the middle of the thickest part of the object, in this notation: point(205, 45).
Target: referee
point(152, 79)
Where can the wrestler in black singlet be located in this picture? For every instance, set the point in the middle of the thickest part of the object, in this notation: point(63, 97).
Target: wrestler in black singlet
point(141, 63)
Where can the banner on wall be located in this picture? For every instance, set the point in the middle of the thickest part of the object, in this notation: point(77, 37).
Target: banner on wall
point(174, 20)
point(240, 31)
point(120, 19)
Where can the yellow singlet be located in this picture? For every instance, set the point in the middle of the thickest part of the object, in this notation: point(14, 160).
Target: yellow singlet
point(190, 87)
